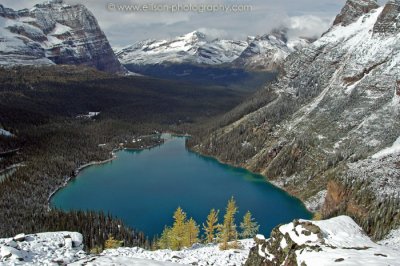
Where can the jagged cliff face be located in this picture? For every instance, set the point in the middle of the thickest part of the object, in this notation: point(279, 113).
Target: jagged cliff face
point(55, 32)
point(334, 107)
point(353, 10)
point(389, 21)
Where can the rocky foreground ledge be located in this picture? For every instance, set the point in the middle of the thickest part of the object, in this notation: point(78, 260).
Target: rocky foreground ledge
point(337, 241)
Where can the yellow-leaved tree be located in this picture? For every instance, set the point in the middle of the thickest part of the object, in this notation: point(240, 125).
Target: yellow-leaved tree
point(248, 226)
point(111, 242)
point(192, 233)
point(211, 226)
point(227, 232)
point(178, 230)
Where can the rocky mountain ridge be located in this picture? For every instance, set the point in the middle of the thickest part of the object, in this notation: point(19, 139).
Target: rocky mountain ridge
point(54, 33)
point(265, 52)
point(315, 131)
point(193, 47)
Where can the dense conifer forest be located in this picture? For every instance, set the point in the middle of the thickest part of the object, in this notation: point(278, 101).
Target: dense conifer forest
point(47, 111)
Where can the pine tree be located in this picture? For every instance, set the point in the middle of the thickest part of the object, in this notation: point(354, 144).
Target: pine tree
point(192, 233)
point(228, 231)
point(249, 226)
point(178, 230)
point(211, 225)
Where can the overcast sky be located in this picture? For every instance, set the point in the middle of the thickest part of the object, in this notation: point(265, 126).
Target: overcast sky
point(306, 17)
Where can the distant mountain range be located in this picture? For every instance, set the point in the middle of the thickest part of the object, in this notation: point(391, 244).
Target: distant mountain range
point(264, 53)
point(58, 33)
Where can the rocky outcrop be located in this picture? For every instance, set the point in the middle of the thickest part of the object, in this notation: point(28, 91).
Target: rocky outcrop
point(337, 240)
point(58, 248)
point(55, 32)
point(353, 10)
point(389, 20)
point(334, 107)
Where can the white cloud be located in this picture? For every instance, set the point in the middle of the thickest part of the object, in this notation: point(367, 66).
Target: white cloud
point(214, 33)
point(308, 26)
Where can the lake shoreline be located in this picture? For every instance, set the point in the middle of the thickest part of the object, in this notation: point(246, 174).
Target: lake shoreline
point(76, 173)
point(230, 181)
point(78, 170)
point(114, 156)
point(275, 184)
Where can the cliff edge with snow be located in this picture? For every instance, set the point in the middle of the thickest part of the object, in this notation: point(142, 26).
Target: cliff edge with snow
point(300, 242)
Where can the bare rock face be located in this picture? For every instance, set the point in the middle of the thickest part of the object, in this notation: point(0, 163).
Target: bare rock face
point(58, 33)
point(353, 10)
point(389, 20)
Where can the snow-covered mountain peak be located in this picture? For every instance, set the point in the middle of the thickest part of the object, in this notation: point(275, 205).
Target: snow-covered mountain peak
point(54, 32)
point(354, 9)
point(267, 52)
point(193, 48)
point(194, 36)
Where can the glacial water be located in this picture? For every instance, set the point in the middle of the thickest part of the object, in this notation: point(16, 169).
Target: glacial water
point(144, 188)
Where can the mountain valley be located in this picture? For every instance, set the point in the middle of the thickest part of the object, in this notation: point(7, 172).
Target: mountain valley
point(317, 118)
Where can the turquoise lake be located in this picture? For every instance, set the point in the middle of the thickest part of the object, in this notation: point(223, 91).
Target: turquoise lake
point(145, 187)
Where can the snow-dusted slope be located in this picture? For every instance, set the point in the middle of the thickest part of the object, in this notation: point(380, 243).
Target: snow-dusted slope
point(196, 255)
point(338, 241)
point(262, 53)
point(54, 32)
point(328, 121)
